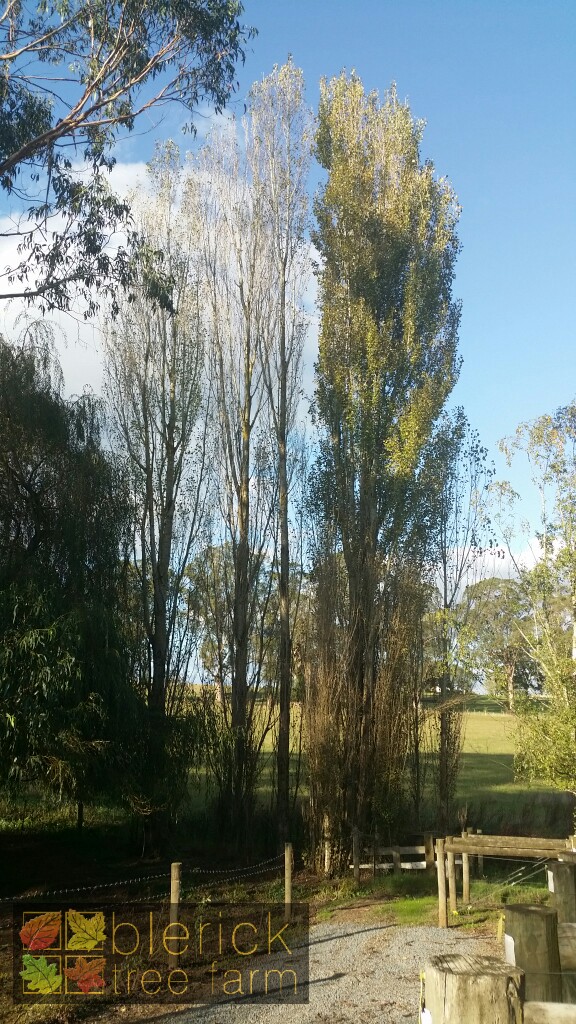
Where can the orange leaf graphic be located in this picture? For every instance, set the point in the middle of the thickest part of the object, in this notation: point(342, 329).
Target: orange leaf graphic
point(40, 932)
point(87, 973)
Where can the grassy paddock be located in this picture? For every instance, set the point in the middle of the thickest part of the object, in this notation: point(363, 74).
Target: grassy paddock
point(487, 790)
point(487, 795)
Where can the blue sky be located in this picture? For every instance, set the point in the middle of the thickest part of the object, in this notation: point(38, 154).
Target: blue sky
point(496, 82)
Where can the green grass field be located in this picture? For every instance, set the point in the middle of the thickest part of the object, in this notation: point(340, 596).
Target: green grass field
point(486, 786)
point(487, 795)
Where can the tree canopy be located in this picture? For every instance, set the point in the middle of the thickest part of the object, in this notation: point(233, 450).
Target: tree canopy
point(387, 363)
point(63, 514)
point(74, 75)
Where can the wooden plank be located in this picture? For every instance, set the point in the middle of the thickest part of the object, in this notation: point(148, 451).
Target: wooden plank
point(465, 879)
point(391, 850)
point(569, 856)
point(562, 885)
point(526, 842)
point(441, 874)
point(548, 1013)
point(429, 851)
point(509, 852)
point(452, 897)
point(567, 945)
point(409, 865)
point(480, 862)
point(531, 942)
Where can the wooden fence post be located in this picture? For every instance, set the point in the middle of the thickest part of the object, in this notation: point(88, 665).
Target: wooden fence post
point(429, 851)
point(441, 869)
point(472, 863)
point(287, 881)
point(567, 950)
point(397, 861)
point(452, 896)
point(562, 885)
point(375, 854)
point(327, 852)
point(480, 860)
point(473, 990)
point(175, 870)
point(356, 852)
point(531, 943)
point(465, 874)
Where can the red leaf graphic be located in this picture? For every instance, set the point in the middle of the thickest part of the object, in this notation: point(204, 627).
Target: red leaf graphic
point(86, 973)
point(40, 932)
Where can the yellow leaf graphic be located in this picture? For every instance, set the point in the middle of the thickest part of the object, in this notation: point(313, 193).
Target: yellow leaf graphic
point(88, 931)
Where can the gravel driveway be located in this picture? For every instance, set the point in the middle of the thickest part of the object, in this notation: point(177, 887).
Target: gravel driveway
point(359, 972)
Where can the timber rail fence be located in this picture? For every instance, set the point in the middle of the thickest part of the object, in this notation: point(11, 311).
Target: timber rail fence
point(535, 981)
point(375, 857)
point(470, 845)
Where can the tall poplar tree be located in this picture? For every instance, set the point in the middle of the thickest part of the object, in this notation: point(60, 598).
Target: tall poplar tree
point(387, 362)
point(155, 370)
point(232, 232)
point(280, 137)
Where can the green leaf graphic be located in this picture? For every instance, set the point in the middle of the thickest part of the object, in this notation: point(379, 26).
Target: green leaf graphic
point(88, 931)
point(40, 976)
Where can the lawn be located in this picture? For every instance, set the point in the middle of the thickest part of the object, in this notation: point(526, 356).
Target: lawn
point(486, 787)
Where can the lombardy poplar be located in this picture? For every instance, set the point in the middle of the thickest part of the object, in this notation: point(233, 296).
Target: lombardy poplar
point(386, 235)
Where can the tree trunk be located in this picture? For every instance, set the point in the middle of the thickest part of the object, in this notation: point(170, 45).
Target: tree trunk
point(285, 653)
point(477, 990)
point(510, 685)
point(238, 806)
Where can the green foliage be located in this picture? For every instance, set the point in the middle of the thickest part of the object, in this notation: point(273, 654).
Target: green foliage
point(548, 724)
point(499, 628)
point(63, 514)
point(75, 76)
point(386, 234)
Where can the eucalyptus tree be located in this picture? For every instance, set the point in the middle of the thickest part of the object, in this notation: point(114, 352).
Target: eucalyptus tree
point(155, 379)
point(500, 627)
point(279, 151)
point(386, 234)
point(76, 75)
point(547, 725)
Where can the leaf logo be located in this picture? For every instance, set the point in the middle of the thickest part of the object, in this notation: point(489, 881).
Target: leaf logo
point(40, 976)
point(87, 974)
point(86, 932)
point(42, 931)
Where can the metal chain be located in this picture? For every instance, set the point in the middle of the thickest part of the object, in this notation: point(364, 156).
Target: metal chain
point(237, 873)
point(250, 868)
point(235, 878)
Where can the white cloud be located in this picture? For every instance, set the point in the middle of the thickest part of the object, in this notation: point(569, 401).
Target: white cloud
point(206, 119)
point(78, 341)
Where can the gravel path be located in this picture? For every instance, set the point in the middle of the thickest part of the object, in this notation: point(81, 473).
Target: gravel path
point(359, 972)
